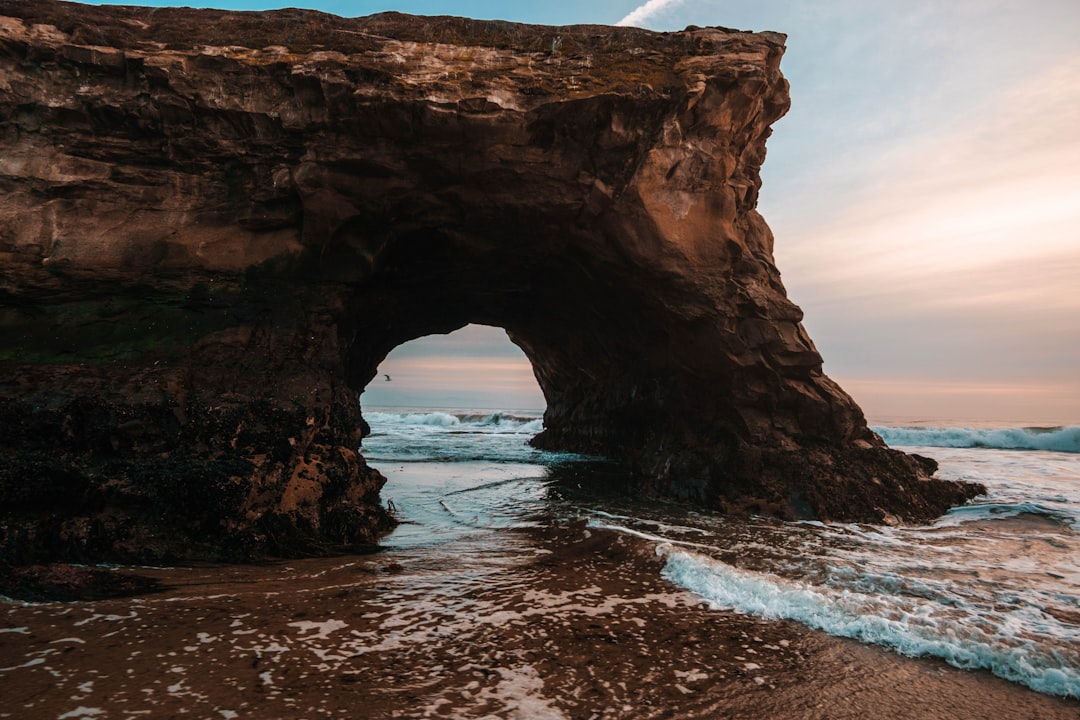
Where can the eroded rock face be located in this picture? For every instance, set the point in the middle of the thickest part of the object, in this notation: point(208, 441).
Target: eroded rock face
point(214, 226)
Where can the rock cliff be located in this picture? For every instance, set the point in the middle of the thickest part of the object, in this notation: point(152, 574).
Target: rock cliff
point(214, 226)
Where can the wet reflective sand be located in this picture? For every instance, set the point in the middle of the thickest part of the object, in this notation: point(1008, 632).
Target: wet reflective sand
point(556, 620)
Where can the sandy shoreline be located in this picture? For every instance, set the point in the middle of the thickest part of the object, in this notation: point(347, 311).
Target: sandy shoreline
point(577, 624)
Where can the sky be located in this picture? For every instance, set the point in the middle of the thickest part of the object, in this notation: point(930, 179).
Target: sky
point(924, 191)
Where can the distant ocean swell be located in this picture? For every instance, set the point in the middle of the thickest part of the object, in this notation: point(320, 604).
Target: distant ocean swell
point(1054, 439)
point(500, 420)
point(454, 436)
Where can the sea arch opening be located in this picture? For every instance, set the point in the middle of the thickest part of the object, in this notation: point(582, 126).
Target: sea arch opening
point(594, 330)
point(449, 421)
point(474, 369)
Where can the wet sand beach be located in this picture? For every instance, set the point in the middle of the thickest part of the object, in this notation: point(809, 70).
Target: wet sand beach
point(563, 621)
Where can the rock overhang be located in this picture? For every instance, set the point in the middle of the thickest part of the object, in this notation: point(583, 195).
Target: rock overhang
point(218, 224)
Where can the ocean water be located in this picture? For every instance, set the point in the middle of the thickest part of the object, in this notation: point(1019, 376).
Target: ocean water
point(993, 585)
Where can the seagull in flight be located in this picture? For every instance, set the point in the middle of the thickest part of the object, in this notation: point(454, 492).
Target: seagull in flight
point(387, 377)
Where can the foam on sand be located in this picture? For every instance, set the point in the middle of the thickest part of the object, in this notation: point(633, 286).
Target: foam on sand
point(910, 626)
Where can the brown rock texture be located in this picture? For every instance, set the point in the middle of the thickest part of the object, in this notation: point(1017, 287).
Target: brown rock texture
point(215, 225)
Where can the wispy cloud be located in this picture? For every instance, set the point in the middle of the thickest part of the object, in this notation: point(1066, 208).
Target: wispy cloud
point(949, 210)
point(638, 16)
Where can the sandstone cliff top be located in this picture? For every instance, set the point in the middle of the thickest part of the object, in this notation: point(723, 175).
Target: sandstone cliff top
point(430, 51)
point(310, 30)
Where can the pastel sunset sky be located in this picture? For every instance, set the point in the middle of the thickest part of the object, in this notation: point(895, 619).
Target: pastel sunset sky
point(924, 191)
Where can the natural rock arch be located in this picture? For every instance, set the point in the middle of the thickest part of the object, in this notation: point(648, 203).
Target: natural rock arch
point(218, 224)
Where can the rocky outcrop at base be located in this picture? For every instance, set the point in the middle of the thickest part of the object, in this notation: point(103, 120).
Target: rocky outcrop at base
point(214, 226)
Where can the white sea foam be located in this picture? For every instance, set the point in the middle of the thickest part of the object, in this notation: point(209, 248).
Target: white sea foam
point(318, 630)
point(521, 692)
point(501, 420)
point(1054, 439)
point(988, 511)
point(991, 585)
point(455, 437)
point(910, 625)
point(532, 426)
point(81, 712)
point(29, 663)
point(437, 418)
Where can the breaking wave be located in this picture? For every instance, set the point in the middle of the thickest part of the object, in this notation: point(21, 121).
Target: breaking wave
point(455, 436)
point(1052, 439)
point(913, 626)
point(1061, 514)
point(508, 422)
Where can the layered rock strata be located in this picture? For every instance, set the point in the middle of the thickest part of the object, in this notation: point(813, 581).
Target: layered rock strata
point(214, 226)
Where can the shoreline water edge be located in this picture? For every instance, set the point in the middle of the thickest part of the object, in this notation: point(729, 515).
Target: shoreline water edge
point(518, 585)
